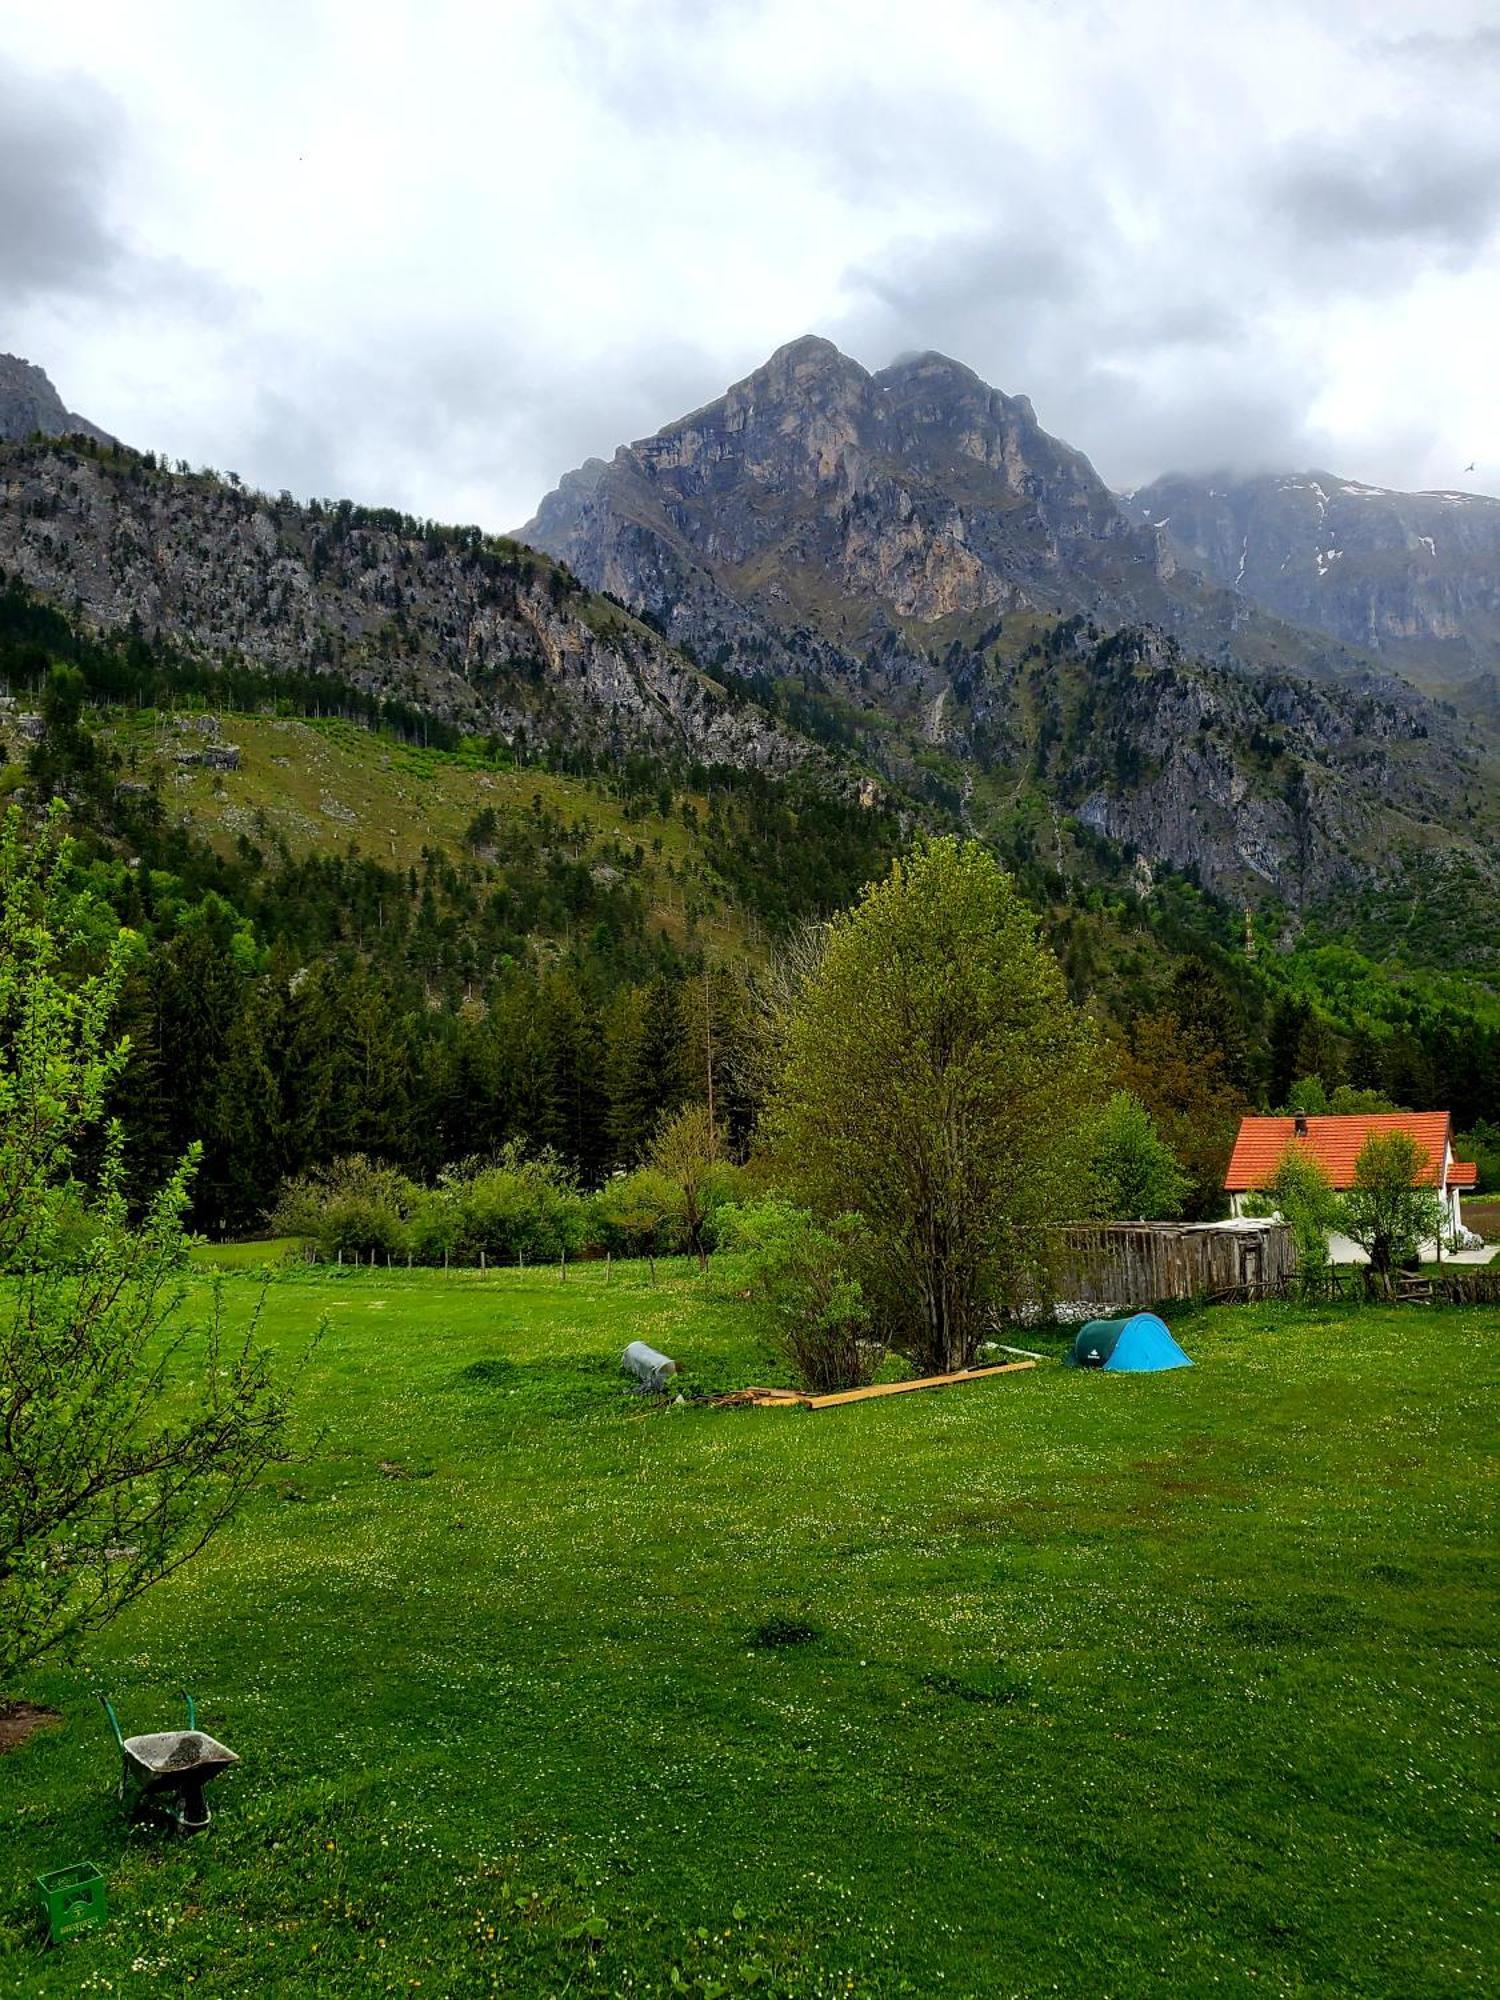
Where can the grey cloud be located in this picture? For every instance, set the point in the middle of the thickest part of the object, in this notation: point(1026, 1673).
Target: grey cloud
point(470, 414)
point(1389, 189)
point(972, 276)
point(1461, 53)
point(1224, 417)
point(1139, 365)
point(60, 138)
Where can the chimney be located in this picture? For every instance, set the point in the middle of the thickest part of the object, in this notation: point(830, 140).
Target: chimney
point(1299, 1125)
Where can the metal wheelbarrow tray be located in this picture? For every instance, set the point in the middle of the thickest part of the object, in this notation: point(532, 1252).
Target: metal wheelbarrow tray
point(169, 1769)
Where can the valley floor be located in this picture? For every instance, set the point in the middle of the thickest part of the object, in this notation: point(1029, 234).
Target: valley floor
point(1105, 1685)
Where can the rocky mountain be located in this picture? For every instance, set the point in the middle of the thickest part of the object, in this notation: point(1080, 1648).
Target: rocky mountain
point(893, 511)
point(479, 632)
point(918, 493)
point(915, 545)
point(898, 583)
point(1412, 578)
point(30, 406)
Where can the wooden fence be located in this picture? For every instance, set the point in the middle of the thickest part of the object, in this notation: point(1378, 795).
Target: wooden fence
point(1147, 1263)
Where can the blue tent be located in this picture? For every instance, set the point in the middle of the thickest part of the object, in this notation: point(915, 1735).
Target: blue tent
point(1142, 1342)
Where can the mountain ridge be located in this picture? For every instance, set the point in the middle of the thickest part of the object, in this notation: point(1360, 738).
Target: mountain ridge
point(1412, 578)
point(30, 406)
point(904, 540)
point(901, 565)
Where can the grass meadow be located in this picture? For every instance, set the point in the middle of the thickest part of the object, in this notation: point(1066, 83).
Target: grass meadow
point(1057, 1683)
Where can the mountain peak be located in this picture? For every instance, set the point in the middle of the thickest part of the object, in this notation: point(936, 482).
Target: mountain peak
point(804, 368)
point(29, 404)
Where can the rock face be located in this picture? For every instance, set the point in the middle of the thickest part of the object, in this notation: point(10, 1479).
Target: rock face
point(30, 406)
point(881, 536)
point(903, 564)
point(1270, 780)
point(481, 633)
point(855, 510)
point(1413, 578)
point(855, 502)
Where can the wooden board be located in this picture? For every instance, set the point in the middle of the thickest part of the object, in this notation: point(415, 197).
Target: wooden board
point(778, 1398)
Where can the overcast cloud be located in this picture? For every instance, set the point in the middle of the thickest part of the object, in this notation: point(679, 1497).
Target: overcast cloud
point(434, 255)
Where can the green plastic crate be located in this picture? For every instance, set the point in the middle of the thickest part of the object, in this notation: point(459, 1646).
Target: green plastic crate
point(72, 1899)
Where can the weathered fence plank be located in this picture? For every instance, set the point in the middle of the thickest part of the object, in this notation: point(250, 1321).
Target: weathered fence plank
point(1148, 1263)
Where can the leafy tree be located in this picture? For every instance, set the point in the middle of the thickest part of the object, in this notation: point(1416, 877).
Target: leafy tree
point(1481, 1144)
point(937, 1081)
point(635, 1212)
point(123, 1447)
point(687, 1155)
point(1181, 1079)
point(1310, 1094)
point(803, 1281)
point(1387, 1213)
point(1301, 1193)
point(1347, 1098)
point(1136, 1173)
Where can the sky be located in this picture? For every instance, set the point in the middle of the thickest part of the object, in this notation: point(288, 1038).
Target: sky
point(434, 255)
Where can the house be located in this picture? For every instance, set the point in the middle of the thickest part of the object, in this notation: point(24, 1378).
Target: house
point(1336, 1142)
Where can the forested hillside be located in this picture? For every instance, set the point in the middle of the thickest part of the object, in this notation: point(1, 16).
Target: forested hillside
point(352, 940)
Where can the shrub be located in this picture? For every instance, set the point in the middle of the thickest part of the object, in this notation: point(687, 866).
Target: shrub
point(509, 1209)
point(803, 1282)
point(352, 1207)
point(635, 1214)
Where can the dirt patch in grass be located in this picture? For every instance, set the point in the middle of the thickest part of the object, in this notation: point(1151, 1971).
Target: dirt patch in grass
point(784, 1632)
point(20, 1719)
point(989, 1687)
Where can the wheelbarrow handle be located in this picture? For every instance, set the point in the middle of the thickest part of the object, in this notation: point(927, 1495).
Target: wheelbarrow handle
point(114, 1721)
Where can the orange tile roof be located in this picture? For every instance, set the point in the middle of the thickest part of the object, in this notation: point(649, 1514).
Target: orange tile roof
point(1333, 1141)
point(1463, 1173)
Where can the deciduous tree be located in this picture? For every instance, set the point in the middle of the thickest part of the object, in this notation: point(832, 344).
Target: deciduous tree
point(937, 1081)
point(1387, 1213)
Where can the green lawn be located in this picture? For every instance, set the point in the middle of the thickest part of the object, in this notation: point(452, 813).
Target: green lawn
point(1120, 1685)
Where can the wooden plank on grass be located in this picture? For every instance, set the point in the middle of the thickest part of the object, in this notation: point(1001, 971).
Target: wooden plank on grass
point(786, 1398)
point(922, 1382)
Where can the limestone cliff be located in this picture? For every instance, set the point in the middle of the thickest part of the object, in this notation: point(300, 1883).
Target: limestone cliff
point(480, 632)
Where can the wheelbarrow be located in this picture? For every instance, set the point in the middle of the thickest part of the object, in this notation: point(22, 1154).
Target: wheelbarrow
point(167, 1771)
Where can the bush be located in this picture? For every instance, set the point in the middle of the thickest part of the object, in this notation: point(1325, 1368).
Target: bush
point(635, 1214)
point(352, 1208)
point(508, 1209)
point(803, 1283)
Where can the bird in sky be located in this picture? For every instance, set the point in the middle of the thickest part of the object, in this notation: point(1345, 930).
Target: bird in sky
point(1470, 466)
